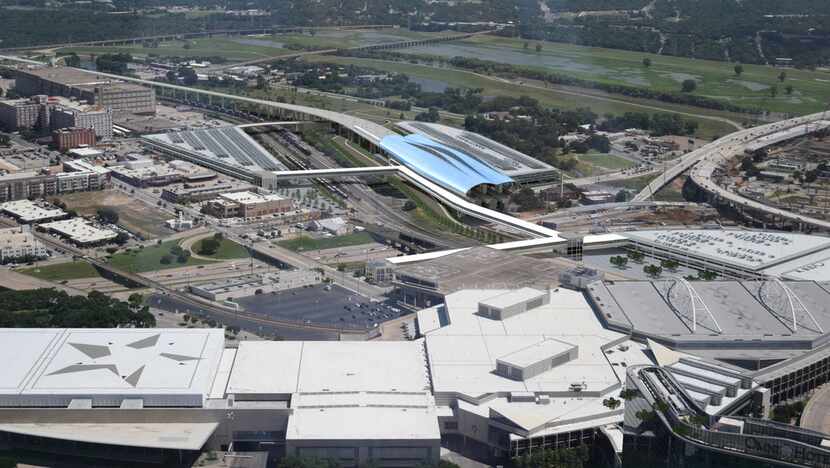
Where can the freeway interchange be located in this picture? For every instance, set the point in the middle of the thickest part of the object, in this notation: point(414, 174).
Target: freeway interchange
point(706, 159)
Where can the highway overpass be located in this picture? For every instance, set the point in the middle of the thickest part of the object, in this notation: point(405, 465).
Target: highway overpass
point(190, 35)
point(731, 144)
point(382, 46)
point(708, 158)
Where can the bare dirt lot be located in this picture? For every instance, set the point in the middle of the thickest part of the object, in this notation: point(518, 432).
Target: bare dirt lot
point(134, 216)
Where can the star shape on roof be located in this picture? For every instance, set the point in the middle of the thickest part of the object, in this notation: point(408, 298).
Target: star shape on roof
point(100, 353)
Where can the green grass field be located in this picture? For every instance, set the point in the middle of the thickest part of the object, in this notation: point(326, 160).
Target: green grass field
point(548, 97)
point(249, 48)
point(230, 49)
point(228, 250)
point(62, 271)
point(606, 161)
point(149, 259)
point(306, 243)
point(636, 183)
point(811, 90)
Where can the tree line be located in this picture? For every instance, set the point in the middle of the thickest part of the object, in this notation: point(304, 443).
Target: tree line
point(50, 308)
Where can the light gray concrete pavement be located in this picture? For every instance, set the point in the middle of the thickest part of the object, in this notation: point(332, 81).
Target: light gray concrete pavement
point(816, 415)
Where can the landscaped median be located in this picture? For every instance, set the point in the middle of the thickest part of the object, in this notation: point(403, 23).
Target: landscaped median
point(161, 256)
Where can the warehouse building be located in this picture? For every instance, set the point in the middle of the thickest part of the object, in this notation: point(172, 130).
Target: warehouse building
point(67, 82)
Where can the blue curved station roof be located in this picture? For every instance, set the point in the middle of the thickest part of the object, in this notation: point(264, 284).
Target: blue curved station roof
point(444, 165)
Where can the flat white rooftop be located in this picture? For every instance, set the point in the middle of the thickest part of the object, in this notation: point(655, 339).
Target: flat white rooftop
point(363, 423)
point(380, 388)
point(751, 250)
point(54, 365)
point(285, 367)
point(463, 349)
point(81, 230)
point(177, 436)
point(29, 211)
point(545, 349)
point(245, 198)
point(513, 297)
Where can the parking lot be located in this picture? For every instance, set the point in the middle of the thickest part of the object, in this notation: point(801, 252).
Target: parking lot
point(322, 306)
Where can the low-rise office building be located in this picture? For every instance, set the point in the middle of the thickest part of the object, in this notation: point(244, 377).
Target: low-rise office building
point(80, 231)
point(250, 285)
point(247, 205)
point(28, 212)
point(18, 243)
point(335, 226)
point(202, 191)
point(149, 173)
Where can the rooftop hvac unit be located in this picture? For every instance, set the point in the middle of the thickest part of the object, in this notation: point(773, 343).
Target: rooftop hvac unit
point(578, 386)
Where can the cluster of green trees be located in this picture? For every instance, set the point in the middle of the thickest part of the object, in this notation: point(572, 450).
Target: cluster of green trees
point(788, 412)
point(211, 245)
point(653, 271)
point(594, 142)
point(707, 29)
point(108, 215)
point(456, 100)
point(187, 76)
point(113, 63)
point(658, 124)
point(49, 308)
point(177, 253)
point(351, 79)
point(539, 135)
point(73, 23)
point(486, 66)
point(526, 199)
point(619, 261)
point(710, 29)
point(704, 275)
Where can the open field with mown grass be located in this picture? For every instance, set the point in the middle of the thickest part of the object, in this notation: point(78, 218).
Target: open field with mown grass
point(552, 97)
point(243, 48)
point(306, 243)
point(605, 161)
point(811, 90)
point(62, 271)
